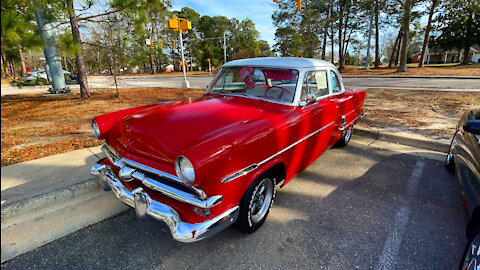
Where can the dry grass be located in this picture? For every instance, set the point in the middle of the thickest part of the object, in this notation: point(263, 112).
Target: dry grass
point(441, 70)
point(34, 126)
point(429, 113)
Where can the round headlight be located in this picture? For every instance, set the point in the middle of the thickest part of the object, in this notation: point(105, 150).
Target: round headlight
point(185, 171)
point(95, 129)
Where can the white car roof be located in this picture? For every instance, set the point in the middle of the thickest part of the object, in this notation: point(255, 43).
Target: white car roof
point(280, 62)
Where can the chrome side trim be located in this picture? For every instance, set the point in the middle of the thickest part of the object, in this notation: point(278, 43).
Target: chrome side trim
point(121, 162)
point(181, 231)
point(256, 165)
point(353, 121)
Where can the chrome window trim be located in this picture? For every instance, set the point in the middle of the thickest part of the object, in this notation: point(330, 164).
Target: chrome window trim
point(292, 104)
point(301, 103)
point(254, 166)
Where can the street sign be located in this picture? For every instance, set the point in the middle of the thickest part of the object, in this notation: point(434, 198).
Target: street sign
point(147, 42)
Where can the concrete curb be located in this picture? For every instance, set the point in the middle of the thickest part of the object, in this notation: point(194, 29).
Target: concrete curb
point(433, 145)
point(48, 201)
point(412, 77)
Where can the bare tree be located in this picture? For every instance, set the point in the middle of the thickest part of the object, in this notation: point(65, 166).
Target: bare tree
point(427, 31)
point(407, 8)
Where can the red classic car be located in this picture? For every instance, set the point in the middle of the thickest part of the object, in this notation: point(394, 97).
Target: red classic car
point(203, 164)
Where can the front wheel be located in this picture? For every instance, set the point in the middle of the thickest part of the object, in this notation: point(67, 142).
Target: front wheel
point(346, 135)
point(255, 204)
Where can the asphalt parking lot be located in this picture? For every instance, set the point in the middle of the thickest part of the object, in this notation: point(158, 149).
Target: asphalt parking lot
point(370, 205)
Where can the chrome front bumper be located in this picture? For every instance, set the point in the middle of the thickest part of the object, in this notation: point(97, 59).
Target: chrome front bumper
point(146, 206)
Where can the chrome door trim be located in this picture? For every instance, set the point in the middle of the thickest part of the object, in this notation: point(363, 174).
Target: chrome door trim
point(254, 166)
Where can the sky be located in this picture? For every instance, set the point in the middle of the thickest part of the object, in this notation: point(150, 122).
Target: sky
point(259, 11)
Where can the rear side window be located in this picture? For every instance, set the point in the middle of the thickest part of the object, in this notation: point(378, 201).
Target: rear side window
point(315, 83)
point(335, 83)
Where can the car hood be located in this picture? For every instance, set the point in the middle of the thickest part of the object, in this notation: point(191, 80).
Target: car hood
point(165, 131)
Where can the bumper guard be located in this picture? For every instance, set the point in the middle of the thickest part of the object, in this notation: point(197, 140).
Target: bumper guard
point(146, 206)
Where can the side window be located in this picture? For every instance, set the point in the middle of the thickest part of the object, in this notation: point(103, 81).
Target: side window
point(315, 83)
point(335, 82)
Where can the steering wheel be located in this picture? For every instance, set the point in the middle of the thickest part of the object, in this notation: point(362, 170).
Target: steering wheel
point(281, 93)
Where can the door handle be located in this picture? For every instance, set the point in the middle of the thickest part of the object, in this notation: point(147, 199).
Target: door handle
point(333, 100)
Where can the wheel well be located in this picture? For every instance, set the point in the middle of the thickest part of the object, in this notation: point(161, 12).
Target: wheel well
point(279, 171)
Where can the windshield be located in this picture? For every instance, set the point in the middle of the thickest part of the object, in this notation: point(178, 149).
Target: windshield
point(268, 83)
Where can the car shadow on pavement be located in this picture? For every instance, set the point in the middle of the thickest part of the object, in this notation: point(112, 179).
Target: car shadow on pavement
point(334, 215)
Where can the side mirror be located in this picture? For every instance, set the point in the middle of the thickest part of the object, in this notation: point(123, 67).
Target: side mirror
point(310, 99)
point(472, 126)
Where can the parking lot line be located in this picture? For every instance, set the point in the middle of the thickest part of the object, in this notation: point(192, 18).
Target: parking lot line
point(394, 240)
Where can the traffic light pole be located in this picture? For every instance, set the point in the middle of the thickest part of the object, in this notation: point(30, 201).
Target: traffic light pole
point(185, 83)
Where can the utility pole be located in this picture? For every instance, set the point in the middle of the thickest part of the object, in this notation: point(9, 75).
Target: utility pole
point(367, 60)
point(51, 53)
point(224, 48)
point(185, 83)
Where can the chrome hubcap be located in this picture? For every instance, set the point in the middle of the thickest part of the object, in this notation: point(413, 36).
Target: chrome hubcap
point(261, 199)
point(348, 134)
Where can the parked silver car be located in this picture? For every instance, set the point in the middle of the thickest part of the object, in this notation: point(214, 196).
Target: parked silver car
point(39, 74)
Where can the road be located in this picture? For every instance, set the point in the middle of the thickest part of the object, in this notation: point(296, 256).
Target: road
point(203, 81)
point(370, 205)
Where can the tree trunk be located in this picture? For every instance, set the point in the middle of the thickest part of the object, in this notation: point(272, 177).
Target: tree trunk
point(466, 57)
point(12, 69)
point(406, 30)
point(394, 50)
point(332, 44)
point(151, 65)
point(22, 60)
point(325, 34)
point(399, 46)
point(377, 37)
point(340, 29)
point(82, 73)
point(427, 32)
point(5, 68)
point(467, 45)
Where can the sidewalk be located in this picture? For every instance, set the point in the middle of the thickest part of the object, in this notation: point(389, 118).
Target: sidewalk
point(48, 198)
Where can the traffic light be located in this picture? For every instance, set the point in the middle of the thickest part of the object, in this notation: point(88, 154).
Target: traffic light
point(173, 23)
point(174, 44)
point(275, 1)
point(179, 24)
point(299, 5)
point(161, 42)
point(185, 25)
point(153, 44)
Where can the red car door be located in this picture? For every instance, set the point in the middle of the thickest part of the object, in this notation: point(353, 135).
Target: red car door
point(318, 120)
point(345, 105)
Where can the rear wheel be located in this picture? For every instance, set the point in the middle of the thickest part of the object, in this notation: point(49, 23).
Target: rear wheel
point(255, 204)
point(346, 135)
